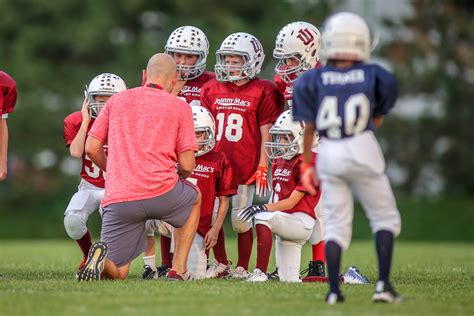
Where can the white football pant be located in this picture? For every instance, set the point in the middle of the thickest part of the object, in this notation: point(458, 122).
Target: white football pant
point(355, 164)
point(292, 231)
point(243, 199)
point(197, 259)
point(83, 203)
point(318, 230)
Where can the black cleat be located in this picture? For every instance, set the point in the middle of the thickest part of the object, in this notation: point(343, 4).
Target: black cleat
point(315, 268)
point(385, 293)
point(274, 275)
point(95, 263)
point(162, 271)
point(334, 298)
point(149, 273)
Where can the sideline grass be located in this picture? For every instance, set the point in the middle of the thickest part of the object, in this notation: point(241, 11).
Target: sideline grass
point(37, 279)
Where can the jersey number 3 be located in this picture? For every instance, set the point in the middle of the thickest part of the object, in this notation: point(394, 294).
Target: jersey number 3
point(329, 118)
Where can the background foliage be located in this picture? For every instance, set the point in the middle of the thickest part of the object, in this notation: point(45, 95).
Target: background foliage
point(54, 47)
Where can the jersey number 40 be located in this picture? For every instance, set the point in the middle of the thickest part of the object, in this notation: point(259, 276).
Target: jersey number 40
point(329, 119)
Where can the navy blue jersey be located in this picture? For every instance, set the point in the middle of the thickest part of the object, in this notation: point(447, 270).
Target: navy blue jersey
point(342, 101)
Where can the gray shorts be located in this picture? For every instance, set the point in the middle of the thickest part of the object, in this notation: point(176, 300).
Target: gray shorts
point(123, 224)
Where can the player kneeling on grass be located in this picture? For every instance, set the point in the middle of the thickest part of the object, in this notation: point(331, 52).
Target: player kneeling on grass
point(91, 188)
point(290, 214)
point(213, 176)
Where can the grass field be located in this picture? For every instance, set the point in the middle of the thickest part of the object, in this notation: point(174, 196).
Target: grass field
point(37, 279)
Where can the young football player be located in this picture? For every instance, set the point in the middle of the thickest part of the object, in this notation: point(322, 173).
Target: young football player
point(345, 101)
point(91, 187)
point(213, 175)
point(297, 49)
point(189, 47)
point(245, 108)
point(7, 105)
point(290, 213)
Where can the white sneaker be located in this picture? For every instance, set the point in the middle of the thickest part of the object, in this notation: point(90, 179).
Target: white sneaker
point(218, 270)
point(239, 273)
point(257, 276)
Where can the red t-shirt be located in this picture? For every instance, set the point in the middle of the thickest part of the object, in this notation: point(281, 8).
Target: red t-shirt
point(8, 94)
point(286, 178)
point(191, 91)
point(213, 175)
point(145, 129)
point(89, 171)
point(239, 113)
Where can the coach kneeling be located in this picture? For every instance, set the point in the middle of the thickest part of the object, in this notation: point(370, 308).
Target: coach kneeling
point(147, 131)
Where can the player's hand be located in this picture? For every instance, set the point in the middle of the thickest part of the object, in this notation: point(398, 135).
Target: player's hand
point(247, 214)
point(261, 180)
point(210, 240)
point(85, 110)
point(309, 178)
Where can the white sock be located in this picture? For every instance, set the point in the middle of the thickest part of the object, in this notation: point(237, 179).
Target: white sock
point(150, 261)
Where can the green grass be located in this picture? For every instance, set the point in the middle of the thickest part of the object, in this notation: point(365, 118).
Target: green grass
point(37, 279)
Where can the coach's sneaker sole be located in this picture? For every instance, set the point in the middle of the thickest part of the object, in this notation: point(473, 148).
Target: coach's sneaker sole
point(334, 298)
point(175, 276)
point(385, 293)
point(95, 263)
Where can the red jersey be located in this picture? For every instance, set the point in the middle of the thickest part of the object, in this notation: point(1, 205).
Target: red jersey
point(191, 91)
point(89, 171)
point(7, 93)
point(286, 178)
point(213, 175)
point(286, 89)
point(240, 111)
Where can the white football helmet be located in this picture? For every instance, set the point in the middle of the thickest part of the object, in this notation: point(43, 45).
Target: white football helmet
point(204, 122)
point(346, 36)
point(105, 84)
point(193, 41)
point(239, 44)
point(300, 40)
point(287, 138)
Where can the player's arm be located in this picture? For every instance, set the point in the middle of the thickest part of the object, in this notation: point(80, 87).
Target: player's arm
point(76, 149)
point(210, 239)
point(266, 137)
point(95, 151)
point(186, 162)
point(3, 148)
point(286, 204)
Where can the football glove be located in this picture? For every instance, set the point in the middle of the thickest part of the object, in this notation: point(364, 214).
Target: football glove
point(261, 180)
point(247, 214)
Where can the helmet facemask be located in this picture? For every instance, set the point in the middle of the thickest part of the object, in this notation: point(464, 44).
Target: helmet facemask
point(225, 72)
point(206, 144)
point(95, 106)
point(283, 145)
point(290, 73)
point(189, 72)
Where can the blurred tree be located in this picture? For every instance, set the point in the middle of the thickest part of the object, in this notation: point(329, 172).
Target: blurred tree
point(432, 57)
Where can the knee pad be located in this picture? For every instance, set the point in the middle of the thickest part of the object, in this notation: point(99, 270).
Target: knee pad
point(75, 227)
point(318, 232)
point(197, 259)
point(239, 226)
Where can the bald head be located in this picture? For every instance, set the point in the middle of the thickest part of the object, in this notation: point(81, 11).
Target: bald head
point(161, 69)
